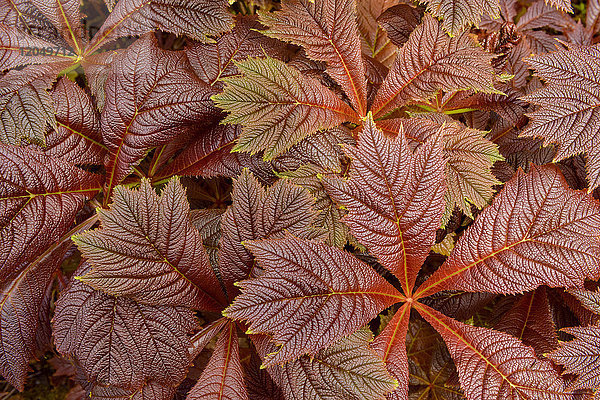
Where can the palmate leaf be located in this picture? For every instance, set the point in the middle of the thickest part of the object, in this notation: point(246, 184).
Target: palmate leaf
point(25, 105)
point(39, 199)
point(222, 378)
point(278, 106)
point(327, 31)
point(394, 199)
point(569, 112)
point(346, 370)
point(148, 250)
point(537, 231)
point(151, 95)
point(495, 365)
point(257, 213)
point(469, 159)
point(77, 137)
point(120, 342)
point(303, 316)
point(196, 19)
point(431, 61)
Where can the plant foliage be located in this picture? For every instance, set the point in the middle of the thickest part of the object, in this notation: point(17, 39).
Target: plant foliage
point(301, 199)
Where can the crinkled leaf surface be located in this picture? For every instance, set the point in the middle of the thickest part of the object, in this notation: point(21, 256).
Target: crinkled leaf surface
point(259, 213)
point(120, 342)
point(469, 159)
point(67, 18)
point(569, 112)
point(147, 249)
point(278, 106)
point(304, 288)
point(328, 32)
point(394, 199)
point(196, 19)
point(459, 14)
point(495, 365)
point(581, 356)
point(589, 299)
point(222, 378)
point(151, 94)
point(77, 137)
point(25, 105)
point(346, 370)
point(399, 22)
point(39, 199)
point(375, 42)
point(149, 391)
point(430, 61)
point(537, 231)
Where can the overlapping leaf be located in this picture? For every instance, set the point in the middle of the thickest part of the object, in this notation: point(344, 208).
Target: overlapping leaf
point(66, 17)
point(77, 137)
point(25, 105)
point(278, 106)
point(257, 213)
point(223, 377)
point(469, 159)
point(321, 281)
point(569, 112)
point(375, 42)
point(394, 199)
point(39, 198)
point(151, 95)
point(197, 20)
point(431, 61)
point(346, 370)
point(459, 14)
point(399, 22)
point(495, 365)
point(327, 31)
point(147, 249)
point(120, 342)
point(537, 231)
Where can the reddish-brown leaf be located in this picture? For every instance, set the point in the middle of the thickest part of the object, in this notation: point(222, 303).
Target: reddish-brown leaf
point(431, 61)
point(299, 297)
point(151, 94)
point(394, 199)
point(120, 342)
point(147, 249)
point(375, 41)
point(328, 32)
point(39, 199)
point(537, 231)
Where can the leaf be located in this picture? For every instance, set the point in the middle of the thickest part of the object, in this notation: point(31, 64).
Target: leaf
point(569, 114)
point(278, 106)
point(97, 67)
point(222, 378)
point(200, 152)
point(149, 391)
point(78, 138)
point(431, 61)
point(589, 299)
point(390, 345)
point(120, 342)
point(399, 22)
point(375, 41)
point(25, 105)
point(39, 199)
point(66, 17)
point(208, 223)
point(257, 213)
point(495, 365)
point(469, 159)
point(457, 15)
point(537, 231)
point(259, 383)
point(17, 49)
point(581, 356)
point(347, 370)
point(151, 94)
point(327, 31)
point(196, 20)
point(394, 199)
point(530, 320)
point(148, 250)
point(303, 315)
point(214, 61)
